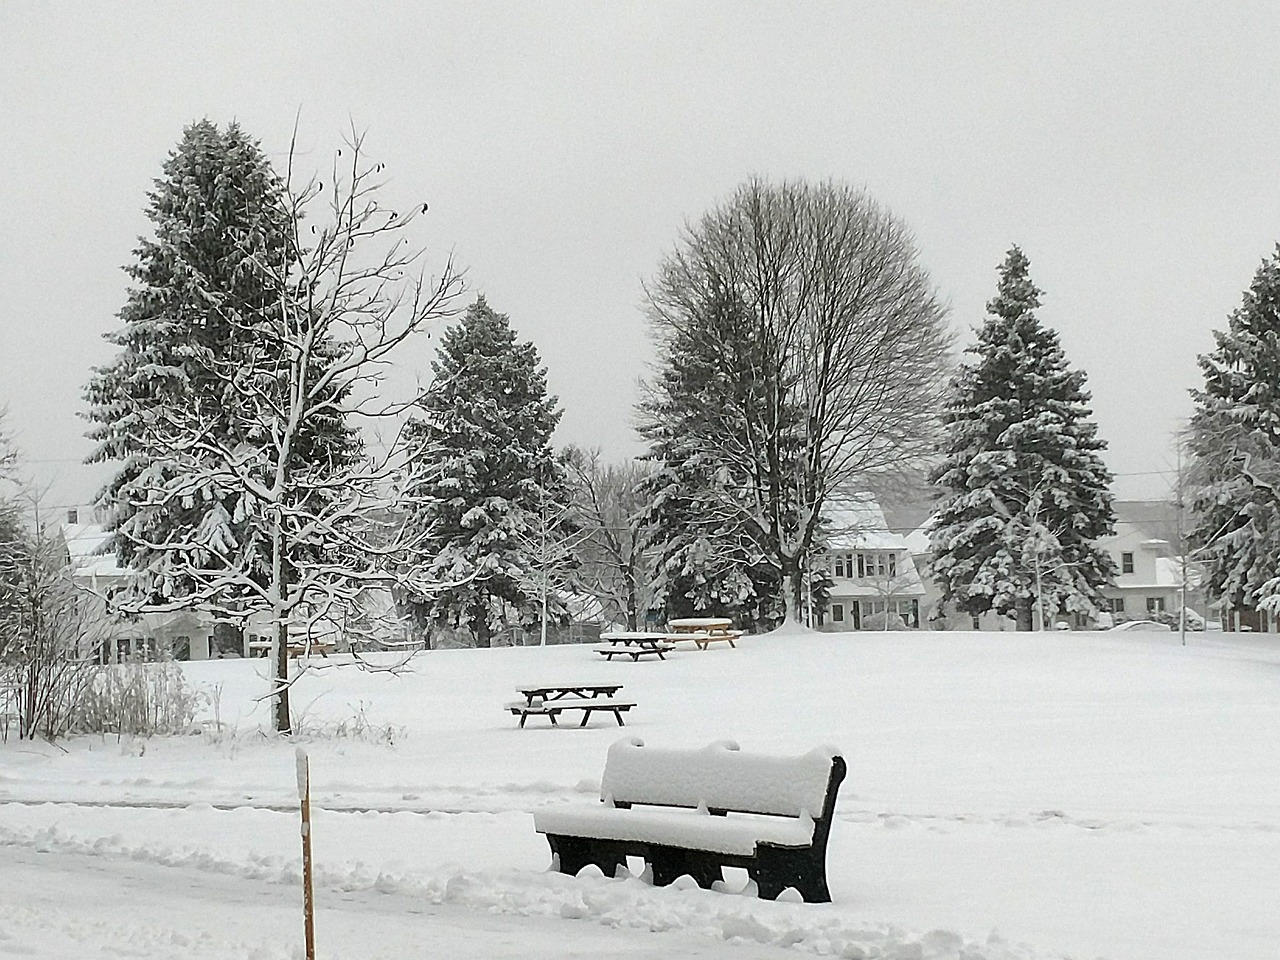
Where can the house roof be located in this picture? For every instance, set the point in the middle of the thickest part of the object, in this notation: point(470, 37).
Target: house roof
point(1152, 519)
point(87, 548)
point(856, 522)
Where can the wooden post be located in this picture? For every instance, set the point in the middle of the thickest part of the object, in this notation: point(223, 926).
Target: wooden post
point(308, 902)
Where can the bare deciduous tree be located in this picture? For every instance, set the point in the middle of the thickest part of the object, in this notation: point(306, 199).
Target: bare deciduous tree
point(609, 501)
point(822, 352)
point(47, 625)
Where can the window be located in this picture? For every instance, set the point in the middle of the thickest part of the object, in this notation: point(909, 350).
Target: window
point(1117, 604)
point(1126, 563)
point(1155, 604)
point(842, 565)
point(881, 563)
point(837, 613)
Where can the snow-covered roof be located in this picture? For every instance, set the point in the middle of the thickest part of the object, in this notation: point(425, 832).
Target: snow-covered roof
point(86, 543)
point(856, 522)
point(919, 540)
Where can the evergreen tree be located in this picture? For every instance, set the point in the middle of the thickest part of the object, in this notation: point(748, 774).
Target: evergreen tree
point(710, 394)
point(493, 481)
point(1234, 441)
point(244, 352)
point(197, 355)
point(1024, 490)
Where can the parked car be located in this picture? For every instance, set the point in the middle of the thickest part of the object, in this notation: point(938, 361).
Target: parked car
point(1141, 625)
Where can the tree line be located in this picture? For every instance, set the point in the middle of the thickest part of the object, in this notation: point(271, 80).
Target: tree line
point(804, 356)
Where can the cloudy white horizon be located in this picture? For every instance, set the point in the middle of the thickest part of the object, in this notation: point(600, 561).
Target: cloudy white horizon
point(562, 146)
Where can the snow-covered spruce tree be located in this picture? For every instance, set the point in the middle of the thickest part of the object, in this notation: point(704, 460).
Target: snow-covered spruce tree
point(837, 357)
point(249, 342)
point(483, 433)
point(695, 524)
point(1234, 442)
point(1024, 490)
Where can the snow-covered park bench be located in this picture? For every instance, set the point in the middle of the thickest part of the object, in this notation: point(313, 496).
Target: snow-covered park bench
point(697, 811)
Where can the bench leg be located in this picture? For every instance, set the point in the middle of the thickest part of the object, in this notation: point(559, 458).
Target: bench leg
point(669, 863)
point(552, 717)
point(586, 715)
point(777, 868)
point(571, 854)
point(523, 717)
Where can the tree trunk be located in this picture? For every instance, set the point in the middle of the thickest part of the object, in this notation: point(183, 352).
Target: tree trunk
point(283, 723)
point(480, 626)
point(633, 602)
point(1024, 611)
point(793, 589)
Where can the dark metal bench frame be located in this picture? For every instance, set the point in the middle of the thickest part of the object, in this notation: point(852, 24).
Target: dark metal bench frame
point(773, 867)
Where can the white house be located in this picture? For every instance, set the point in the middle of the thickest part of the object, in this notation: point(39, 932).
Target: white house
point(874, 582)
point(1149, 577)
point(184, 634)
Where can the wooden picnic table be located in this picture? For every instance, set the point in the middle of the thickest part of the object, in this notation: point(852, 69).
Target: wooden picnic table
point(635, 644)
point(704, 631)
point(550, 700)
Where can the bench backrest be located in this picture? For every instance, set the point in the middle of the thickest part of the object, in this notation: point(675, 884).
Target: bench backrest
point(721, 777)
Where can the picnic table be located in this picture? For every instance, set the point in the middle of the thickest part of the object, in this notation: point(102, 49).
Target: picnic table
point(550, 700)
point(635, 644)
point(704, 631)
point(297, 648)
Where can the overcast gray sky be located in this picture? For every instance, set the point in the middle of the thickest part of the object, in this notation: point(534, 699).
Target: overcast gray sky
point(1131, 149)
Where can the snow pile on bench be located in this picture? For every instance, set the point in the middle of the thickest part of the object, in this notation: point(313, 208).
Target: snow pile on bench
point(718, 777)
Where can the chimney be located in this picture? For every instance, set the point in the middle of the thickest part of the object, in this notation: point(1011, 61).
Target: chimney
point(73, 515)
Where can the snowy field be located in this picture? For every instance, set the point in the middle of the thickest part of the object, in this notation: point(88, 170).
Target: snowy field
point(1059, 795)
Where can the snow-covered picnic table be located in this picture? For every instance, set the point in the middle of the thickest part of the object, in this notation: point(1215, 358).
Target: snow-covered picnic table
point(704, 631)
point(635, 644)
point(550, 700)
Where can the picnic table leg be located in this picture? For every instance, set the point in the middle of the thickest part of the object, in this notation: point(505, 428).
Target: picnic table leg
point(618, 715)
point(586, 715)
point(523, 717)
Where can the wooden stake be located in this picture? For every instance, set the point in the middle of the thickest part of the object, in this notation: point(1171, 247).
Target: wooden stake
point(308, 902)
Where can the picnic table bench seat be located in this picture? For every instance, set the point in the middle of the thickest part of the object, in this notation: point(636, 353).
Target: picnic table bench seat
point(702, 639)
point(553, 708)
point(635, 651)
point(695, 812)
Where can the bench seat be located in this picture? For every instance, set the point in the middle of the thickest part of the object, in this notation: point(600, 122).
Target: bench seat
point(553, 708)
point(703, 640)
point(691, 829)
point(633, 651)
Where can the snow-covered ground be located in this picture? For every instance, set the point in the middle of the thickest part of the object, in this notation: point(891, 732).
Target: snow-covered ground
point(1034, 796)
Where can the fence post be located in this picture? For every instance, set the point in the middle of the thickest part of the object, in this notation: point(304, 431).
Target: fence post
point(308, 902)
